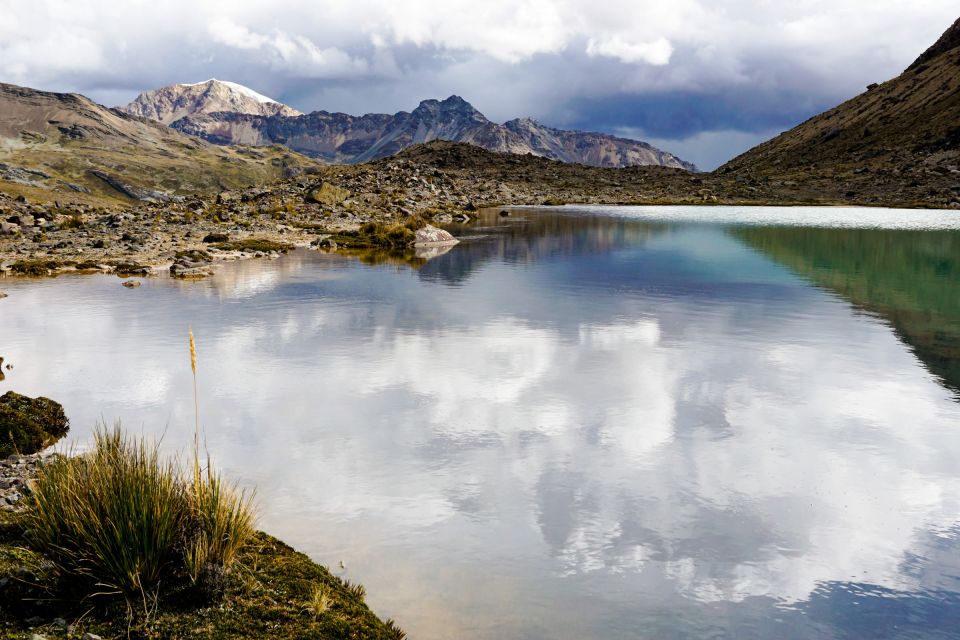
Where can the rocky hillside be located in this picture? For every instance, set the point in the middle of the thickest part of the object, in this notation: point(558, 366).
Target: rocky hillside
point(68, 144)
point(898, 141)
point(169, 104)
point(345, 139)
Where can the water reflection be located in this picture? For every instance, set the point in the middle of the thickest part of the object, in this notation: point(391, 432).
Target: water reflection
point(567, 426)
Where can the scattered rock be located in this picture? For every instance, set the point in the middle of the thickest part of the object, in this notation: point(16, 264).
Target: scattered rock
point(2, 295)
point(131, 284)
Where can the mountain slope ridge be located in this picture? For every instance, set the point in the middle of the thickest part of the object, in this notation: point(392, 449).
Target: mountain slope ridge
point(66, 142)
point(899, 137)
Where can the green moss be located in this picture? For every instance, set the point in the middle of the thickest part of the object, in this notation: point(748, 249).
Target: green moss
point(35, 267)
point(254, 244)
point(27, 425)
point(269, 598)
point(124, 269)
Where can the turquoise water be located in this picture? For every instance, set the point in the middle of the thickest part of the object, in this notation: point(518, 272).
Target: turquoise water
point(593, 422)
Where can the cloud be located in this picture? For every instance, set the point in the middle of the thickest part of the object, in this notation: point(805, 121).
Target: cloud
point(657, 52)
point(292, 52)
point(673, 70)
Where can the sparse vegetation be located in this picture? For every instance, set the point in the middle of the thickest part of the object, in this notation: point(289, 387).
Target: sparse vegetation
point(35, 268)
point(254, 244)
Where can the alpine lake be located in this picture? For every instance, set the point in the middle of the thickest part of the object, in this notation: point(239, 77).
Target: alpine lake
point(580, 422)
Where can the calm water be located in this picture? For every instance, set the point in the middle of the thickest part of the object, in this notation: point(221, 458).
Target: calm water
point(593, 423)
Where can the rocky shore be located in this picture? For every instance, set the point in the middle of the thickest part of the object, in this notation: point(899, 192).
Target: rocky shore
point(439, 182)
point(16, 473)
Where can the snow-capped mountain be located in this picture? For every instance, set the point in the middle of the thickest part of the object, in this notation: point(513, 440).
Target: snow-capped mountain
point(169, 104)
point(226, 113)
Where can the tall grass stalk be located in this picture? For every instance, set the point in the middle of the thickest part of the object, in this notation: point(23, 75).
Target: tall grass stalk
point(124, 517)
point(196, 410)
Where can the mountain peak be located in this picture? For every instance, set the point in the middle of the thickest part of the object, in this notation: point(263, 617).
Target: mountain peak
point(170, 104)
point(233, 86)
point(948, 41)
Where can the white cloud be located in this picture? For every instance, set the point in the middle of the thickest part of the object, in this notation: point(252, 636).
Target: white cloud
point(657, 52)
point(511, 58)
point(296, 53)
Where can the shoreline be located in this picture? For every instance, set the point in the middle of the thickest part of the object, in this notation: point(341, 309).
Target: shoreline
point(44, 233)
point(269, 597)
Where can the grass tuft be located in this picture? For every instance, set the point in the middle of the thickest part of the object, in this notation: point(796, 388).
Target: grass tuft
point(319, 601)
point(123, 518)
point(115, 515)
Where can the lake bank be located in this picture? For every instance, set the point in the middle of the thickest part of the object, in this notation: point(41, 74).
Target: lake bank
point(43, 234)
point(274, 591)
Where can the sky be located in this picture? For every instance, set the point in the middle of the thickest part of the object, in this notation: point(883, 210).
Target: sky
point(705, 79)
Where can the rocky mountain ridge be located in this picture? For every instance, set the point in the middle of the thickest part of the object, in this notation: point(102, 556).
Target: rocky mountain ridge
point(169, 104)
point(345, 139)
point(899, 140)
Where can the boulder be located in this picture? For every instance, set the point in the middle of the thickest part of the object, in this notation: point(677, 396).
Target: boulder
point(9, 229)
point(185, 268)
point(430, 236)
point(27, 425)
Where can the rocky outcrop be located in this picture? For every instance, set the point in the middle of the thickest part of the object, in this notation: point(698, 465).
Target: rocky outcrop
point(345, 139)
point(27, 425)
point(169, 104)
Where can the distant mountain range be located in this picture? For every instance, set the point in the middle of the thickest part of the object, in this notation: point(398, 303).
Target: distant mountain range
point(227, 113)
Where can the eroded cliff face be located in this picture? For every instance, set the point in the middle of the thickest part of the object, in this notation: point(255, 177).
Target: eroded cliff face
point(169, 104)
point(342, 138)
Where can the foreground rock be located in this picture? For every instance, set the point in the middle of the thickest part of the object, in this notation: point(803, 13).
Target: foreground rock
point(28, 425)
point(430, 236)
point(16, 473)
